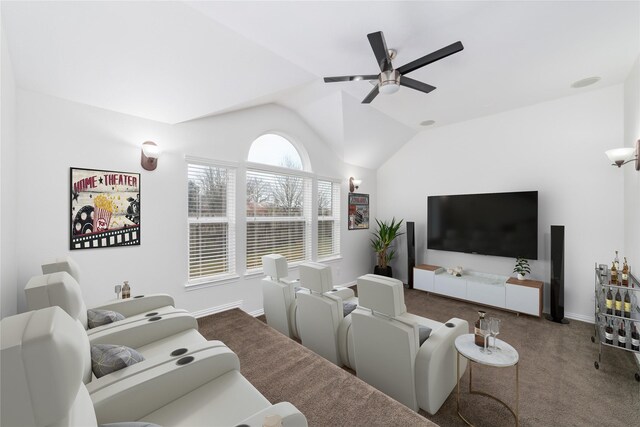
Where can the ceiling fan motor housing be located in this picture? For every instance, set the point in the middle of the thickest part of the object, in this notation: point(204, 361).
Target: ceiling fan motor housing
point(389, 81)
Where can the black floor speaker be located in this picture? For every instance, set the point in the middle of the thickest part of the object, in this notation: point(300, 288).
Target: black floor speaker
point(411, 251)
point(556, 284)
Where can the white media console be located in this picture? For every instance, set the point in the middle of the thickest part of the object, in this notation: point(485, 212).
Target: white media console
point(521, 296)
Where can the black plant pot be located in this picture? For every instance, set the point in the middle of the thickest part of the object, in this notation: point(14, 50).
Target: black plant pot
point(383, 271)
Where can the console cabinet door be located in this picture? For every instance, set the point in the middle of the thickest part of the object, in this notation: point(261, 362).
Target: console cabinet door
point(451, 286)
point(485, 293)
point(423, 279)
point(523, 299)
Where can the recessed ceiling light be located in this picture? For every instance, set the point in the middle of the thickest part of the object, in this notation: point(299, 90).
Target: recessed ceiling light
point(585, 82)
point(427, 123)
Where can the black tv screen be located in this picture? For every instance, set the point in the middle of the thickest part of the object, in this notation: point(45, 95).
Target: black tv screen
point(500, 224)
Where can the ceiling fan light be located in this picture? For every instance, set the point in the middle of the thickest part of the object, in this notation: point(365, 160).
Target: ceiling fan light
point(389, 82)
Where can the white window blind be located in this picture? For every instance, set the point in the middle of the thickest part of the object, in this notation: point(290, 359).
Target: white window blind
point(278, 216)
point(328, 219)
point(211, 218)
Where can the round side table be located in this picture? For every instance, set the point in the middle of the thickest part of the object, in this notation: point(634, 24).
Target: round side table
point(504, 357)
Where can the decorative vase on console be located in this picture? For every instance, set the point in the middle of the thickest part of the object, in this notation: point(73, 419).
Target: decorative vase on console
point(521, 267)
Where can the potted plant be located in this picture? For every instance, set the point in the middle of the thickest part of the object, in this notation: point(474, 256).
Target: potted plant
point(522, 267)
point(381, 244)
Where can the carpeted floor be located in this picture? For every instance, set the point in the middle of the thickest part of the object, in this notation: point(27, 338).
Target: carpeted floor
point(559, 385)
point(283, 370)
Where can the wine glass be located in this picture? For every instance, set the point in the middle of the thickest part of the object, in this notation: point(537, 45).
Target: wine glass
point(118, 289)
point(494, 329)
point(484, 331)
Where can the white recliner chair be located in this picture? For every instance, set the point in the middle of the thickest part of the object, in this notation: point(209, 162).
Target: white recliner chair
point(279, 295)
point(43, 356)
point(388, 354)
point(322, 326)
point(156, 332)
point(140, 304)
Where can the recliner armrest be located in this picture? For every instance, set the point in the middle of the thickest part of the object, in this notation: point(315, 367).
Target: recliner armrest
point(343, 292)
point(144, 331)
point(140, 368)
point(138, 395)
point(436, 365)
point(132, 306)
point(291, 416)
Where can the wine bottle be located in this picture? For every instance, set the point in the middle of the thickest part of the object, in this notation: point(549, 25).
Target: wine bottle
point(622, 335)
point(635, 337)
point(609, 301)
point(627, 305)
point(479, 338)
point(614, 274)
point(625, 273)
point(126, 290)
point(608, 332)
point(618, 303)
point(617, 261)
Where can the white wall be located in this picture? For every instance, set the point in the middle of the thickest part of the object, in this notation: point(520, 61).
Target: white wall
point(57, 134)
point(631, 176)
point(556, 148)
point(8, 188)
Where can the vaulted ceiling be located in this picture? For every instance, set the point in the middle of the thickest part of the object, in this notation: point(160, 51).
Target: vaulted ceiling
point(177, 61)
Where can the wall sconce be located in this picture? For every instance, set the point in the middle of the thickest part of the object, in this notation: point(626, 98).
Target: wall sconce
point(622, 156)
point(149, 155)
point(354, 184)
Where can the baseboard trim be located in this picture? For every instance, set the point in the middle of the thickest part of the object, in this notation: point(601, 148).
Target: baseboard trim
point(257, 313)
point(580, 317)
point(216, 309)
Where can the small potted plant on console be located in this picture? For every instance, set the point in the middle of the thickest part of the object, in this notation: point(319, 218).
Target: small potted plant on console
point(381, 242)
point(522, 268)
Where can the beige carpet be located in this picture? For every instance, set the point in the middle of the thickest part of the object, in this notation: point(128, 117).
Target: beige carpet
point(283, 370)
point(559, 385)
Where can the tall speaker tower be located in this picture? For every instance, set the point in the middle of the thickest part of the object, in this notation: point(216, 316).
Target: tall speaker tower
point(556, 284)
point(411, 251)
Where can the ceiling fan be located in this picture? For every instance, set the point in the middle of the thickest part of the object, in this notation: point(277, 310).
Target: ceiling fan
point(390, 79)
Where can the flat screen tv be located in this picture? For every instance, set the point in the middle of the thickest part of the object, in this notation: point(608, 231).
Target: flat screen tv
point(500, 224)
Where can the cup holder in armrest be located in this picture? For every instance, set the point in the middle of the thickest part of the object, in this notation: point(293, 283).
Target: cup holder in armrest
point(155, 313)
point(185, 360)
point(449, 325)
point(138, 296)
point(179, 352)
point(153, 319)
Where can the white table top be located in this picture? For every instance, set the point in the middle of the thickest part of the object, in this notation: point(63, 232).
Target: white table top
point(505, 356)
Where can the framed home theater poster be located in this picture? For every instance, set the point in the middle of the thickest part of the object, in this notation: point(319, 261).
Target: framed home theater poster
point(104, 209)
point(358, 211)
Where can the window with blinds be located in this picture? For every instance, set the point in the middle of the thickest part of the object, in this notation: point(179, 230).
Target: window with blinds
point(328, 219)
point(211, 219)
point(278, 216)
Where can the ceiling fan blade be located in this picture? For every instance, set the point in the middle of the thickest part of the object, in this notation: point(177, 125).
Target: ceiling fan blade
point(414, 84)
point(350, 78)
point(374, 92)
point(376, 40)
point(432, 57)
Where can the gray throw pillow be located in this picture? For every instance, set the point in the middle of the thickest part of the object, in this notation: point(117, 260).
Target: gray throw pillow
point(347, 308)
point(424, 332)
point(107, 358)
point(97, 318)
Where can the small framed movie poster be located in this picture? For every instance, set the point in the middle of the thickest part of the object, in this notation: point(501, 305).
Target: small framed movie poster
point(358, 211)
point(104, 209)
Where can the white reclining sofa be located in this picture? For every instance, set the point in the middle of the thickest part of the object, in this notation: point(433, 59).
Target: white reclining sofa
point(151, 334)
point(388, 353)
point(43, 356)
point(140, 304)
point(279, 295)
point(322, 325)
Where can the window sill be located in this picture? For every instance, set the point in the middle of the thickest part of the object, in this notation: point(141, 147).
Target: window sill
point(209, 282)
point(331, 259)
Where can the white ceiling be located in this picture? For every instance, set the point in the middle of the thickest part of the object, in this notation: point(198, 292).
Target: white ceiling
point(176, 61)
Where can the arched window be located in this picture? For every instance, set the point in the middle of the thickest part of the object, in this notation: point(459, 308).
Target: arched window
point(275, 150)
point(278, 202)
